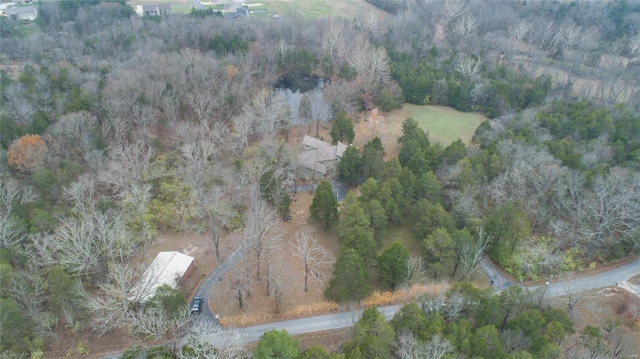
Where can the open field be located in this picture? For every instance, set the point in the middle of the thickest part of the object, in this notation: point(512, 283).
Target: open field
point(320, 8)
point(445, 124)
point(308, 8)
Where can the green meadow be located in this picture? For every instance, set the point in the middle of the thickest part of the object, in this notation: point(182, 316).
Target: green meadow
point(445, 124)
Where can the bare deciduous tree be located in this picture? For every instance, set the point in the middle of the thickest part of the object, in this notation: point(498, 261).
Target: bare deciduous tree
point(206, 339)
point(470, 254)
point(312, 254)
point(342, 95)
point(83, 245)
point(370, 63)
point(333, 38)
point(466, 24)
point(410, 347)
point(450, 10)
point(521, 29)
point(18, 105)
point(239, 281)
point(634, 48)
point(261, 230)
point(12, 193)
point(572, 35)
point(416, 272)
point(468, 66)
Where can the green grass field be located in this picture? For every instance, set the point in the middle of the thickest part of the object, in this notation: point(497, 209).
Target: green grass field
point(316, 8)
point(445, 124)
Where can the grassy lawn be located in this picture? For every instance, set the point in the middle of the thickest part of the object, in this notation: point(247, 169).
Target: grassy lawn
point(402, 234)
point(317, 8)
point(445, 124)
point(182, 9)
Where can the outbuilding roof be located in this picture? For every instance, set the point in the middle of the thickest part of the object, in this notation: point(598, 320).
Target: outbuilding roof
point(166, 269)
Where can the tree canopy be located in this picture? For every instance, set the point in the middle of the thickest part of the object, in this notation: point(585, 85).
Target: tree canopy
point(349, 279)
point(324, 208)
point(342, 129)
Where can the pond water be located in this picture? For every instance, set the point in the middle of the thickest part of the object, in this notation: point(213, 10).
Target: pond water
point(295, 87)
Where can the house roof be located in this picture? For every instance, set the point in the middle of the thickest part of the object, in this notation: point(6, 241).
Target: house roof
point(167, 268)
point(340, 148)
point(311, 160)
point(314, 142)
point(18, 10)
point(320, 151)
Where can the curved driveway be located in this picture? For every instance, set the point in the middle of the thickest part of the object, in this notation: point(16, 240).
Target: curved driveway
point(214, 277)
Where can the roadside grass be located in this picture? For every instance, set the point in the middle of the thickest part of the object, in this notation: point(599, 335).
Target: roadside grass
point(445, 124)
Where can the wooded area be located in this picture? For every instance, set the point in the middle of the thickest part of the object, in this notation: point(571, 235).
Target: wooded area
point(115, 128)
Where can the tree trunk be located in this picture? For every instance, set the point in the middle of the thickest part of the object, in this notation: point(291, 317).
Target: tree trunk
point(240, 303)
point(258, 267)
point(215, 239)
point(306, 276)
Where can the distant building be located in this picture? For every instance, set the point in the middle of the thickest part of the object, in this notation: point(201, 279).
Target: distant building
point(156, 9)
point(319, 158)
point(241, 13)
point(168, 268)
point(23, 13)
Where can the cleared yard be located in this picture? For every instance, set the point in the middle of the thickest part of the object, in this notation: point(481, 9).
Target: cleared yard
point(320, 8)
point(445, 124)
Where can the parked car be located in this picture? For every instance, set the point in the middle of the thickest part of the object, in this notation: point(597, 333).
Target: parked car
point(196, 305)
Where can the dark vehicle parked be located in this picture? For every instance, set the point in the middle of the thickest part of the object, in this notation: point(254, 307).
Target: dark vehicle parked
point(196, 305)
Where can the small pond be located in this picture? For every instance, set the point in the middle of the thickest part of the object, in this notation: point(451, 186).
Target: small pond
point(295, 87)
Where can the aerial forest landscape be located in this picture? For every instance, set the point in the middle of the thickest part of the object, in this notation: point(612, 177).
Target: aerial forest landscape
point(320, 179)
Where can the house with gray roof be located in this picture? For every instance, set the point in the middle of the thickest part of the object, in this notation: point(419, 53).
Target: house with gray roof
point(156, 9)
point(319, 158)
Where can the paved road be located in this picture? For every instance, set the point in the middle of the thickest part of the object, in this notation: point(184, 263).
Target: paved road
point(497, 280)
point(338, 187)
point(313, 324)
point(605, 279)
point(343, 320)
point(347, 319)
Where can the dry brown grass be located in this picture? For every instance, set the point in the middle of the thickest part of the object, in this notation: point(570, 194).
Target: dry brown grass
point(402, 296)
point(376, 299)
point(609, 304)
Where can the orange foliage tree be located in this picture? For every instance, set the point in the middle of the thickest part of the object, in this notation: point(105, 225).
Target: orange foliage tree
point(26, 153)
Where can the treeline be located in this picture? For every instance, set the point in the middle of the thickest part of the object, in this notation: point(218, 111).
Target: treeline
point(591, 51)
point(464, 83)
